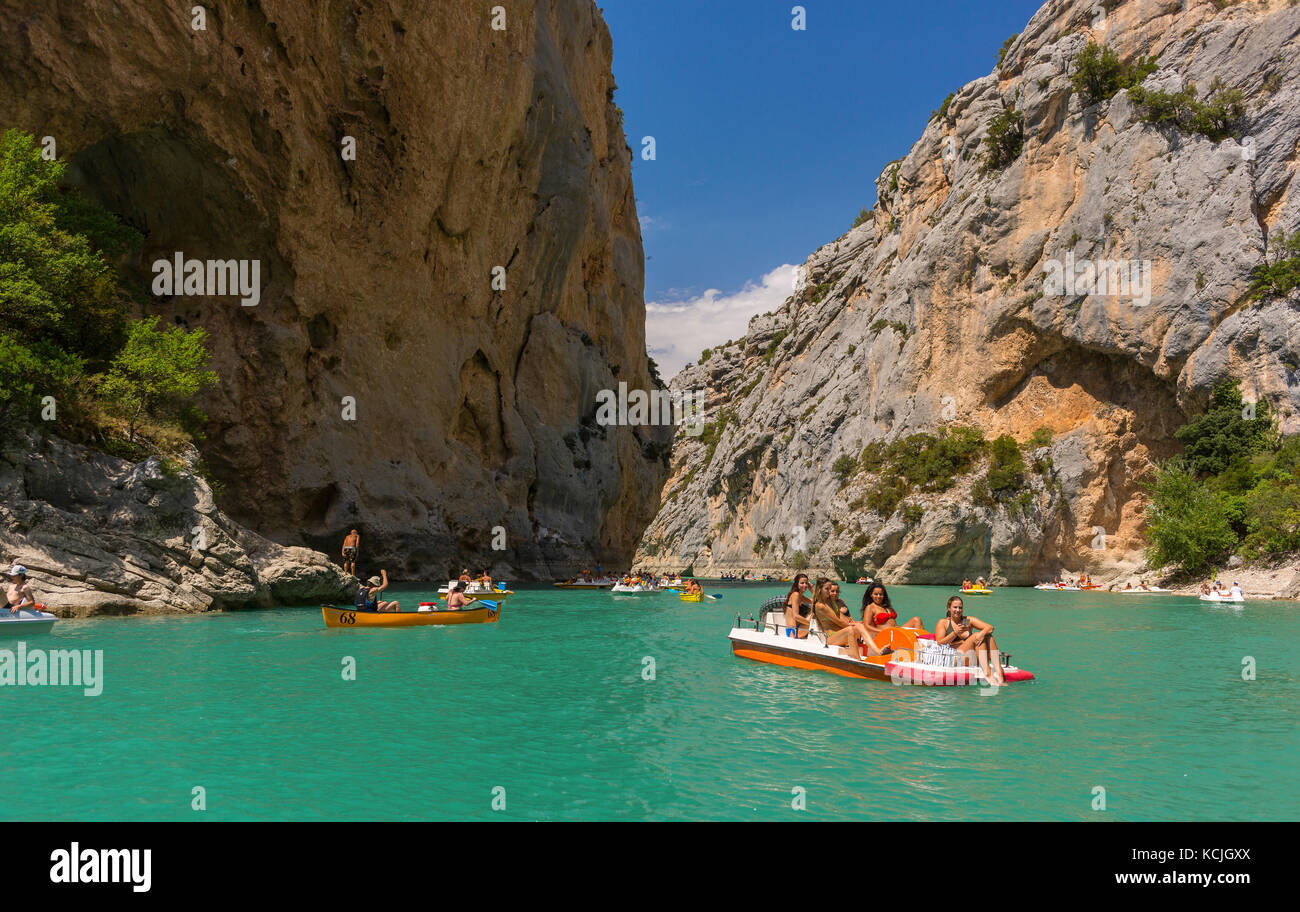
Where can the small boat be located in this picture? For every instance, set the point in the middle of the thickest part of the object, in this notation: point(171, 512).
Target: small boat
point(476, 588)
point(620, 589)
point(26, 621)
point(585, 584)
point(916, 658)
point(1220, 597)
point(975, 590)
point(430, 613)
point(1052, 587)
point(693, 597)
point(862, 580)
point(1149, 589)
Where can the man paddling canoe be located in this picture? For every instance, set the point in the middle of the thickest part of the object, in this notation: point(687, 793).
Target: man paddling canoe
point(368, 595)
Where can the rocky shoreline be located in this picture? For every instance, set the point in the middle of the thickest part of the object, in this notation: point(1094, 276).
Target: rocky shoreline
point(105, 536)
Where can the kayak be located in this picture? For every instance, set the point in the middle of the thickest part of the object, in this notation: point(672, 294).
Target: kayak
point(693, 597)
point(916, 658)
point(26, 621)
point(429, 614)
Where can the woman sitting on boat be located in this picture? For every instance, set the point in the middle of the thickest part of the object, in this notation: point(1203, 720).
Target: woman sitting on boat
point(798, 607)
point(878, 612)
point(968, 635)
point(837, 626)
point(457, 600)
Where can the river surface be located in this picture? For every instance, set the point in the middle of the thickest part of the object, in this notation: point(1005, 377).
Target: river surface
point(584, 705)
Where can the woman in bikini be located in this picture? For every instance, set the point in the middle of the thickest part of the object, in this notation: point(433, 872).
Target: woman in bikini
point(838, 628)
point(969, 635)
point(798, 607)
point(878, 613)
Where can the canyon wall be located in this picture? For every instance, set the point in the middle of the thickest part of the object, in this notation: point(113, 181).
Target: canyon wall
point(437, 311)
point(935, 313)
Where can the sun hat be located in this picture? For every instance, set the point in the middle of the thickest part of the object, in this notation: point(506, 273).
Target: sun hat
point(374, 581)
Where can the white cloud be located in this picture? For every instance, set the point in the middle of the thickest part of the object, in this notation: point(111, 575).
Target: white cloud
point(677, 331)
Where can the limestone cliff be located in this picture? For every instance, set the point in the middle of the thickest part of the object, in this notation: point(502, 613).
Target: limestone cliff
point(100, 535)
point(933, 313)
point(475, 148)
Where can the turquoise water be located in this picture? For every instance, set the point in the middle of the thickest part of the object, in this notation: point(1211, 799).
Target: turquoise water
point(1140, 695)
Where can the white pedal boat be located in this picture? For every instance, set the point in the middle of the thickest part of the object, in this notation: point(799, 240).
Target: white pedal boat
point(1216, 597)
point(1153, 589)
point(916, 658)
point(1051, 588)
point(25, 622)
point(474, 589)
point(620, 589)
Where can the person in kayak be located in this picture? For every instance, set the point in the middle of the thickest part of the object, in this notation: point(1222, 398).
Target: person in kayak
point(798, 608)
point(18, 594)
point(968, 634)
point(351, 544)
point(878, 612)
point(368, 595)
point(838, 628)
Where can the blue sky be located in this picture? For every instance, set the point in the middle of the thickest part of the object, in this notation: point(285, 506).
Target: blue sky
point(769, 140)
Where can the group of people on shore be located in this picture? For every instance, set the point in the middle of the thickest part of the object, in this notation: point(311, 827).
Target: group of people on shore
point(968, 636)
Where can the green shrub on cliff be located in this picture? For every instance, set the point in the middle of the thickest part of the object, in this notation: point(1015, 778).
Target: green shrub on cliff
point(1099, 73)
point(1004, 141)
point(1006, 475)
point(1279, 276)
point(1217, 117)
point(1236, 488)
point(67, 350)
point(1188, 524)
point(156, 375)
point(1230, 431)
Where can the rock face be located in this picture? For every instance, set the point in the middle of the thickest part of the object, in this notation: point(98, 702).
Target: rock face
point(437, 311)
point(936, 312)
point(101, 535)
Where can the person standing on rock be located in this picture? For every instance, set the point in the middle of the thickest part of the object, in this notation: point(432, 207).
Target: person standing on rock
point(351, 544)
point(19, 593)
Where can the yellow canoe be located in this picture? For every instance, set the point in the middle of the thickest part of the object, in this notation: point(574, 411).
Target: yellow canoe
point(694, 597)
point(976, 591)
point(347, 618)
